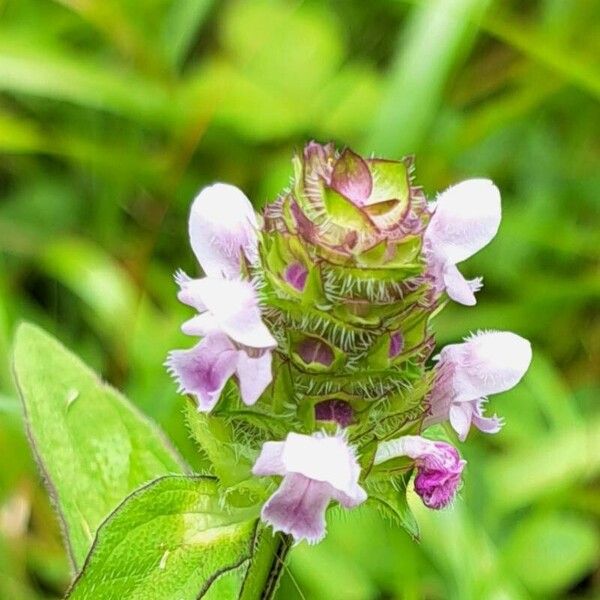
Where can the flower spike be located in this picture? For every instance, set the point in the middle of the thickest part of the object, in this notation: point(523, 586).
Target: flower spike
point(331, 294)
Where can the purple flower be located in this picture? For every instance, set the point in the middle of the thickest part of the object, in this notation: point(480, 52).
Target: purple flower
point(465, 219)
point(486, 363)
point(204, 370)
point(223, 230)
point(315, 469)
point(229, 306)
point(439, 467)
point(236, 341)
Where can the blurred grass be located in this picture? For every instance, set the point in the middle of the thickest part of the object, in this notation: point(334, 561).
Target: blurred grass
point(114, 113)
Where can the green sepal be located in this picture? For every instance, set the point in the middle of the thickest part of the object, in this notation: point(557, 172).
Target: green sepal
point(388, 495)
point(282, 394)
point(391, 181)
point(338, 356)
point(405, 253)
point(378, 357)
point(361, 314)
point(279, 251)
point(344, 213)
point(374, 256)
point(230, 460)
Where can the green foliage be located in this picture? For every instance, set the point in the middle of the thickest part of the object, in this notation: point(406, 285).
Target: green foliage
point(170, 539)
point(92, 445)
point(551, 552)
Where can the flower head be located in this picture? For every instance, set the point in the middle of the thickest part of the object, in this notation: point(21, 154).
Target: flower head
point(223, 230)
point(350, 263)
point(439, 467)
point(315, 469)
point(486, 363)
point(351, 207)
point(466, 217)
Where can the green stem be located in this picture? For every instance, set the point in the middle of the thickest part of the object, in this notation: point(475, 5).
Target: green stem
point(283, 547)
point(266, 568)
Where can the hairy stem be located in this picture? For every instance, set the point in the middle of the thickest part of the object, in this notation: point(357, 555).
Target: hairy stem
point(268, 560)
point(283, 547)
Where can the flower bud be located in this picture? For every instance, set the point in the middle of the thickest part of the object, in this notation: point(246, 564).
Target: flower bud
point(439, 467)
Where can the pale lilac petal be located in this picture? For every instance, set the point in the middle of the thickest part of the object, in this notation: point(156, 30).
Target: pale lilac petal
point(188, 293)
point(316, 469)
point(487, 363)
point(298, 508)
point(491, 424)
point(461, 415)
point(254, 375)
point(355, 496)
point(269, 461)
point(322, 458)
point(457, 287)
point(413, 446)
point(234, 306)
point(204, 369)
point(181, 277)
point(200, 325)
point(439, 467)
point(223, 228)
point(466, 219)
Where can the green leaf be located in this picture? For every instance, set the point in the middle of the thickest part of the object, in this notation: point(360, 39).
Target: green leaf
point(170, 540)
point(44, 73)
point(183, 19)
point(434, 41)
point(91, 444)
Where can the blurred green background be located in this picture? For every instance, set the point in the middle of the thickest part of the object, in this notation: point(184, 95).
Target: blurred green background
point(113, 113)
